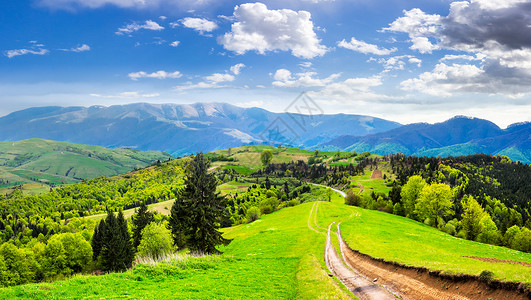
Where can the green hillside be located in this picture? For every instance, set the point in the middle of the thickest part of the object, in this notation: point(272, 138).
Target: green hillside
point(280, 255)
point(52, 163)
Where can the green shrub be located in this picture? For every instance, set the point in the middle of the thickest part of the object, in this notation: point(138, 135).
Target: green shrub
point(156, 241)
point(253, 213)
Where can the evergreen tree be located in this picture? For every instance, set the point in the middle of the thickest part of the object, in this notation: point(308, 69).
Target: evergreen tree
point(110, 246)
point(97, 239)
point(127, 251)
point(140, 220)
point(197, 212)
point(117, 250)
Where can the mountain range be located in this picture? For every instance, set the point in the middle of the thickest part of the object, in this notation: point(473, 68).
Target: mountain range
point(457, 136)
point(180, 129)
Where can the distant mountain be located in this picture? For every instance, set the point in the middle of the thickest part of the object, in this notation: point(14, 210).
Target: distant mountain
point(182, 129)
point(457, 136)
point(51, 162)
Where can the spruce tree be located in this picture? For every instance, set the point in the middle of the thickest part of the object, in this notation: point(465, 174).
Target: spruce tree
point(97, 239)
point(140, 220)
point(127, 251)
point(111, 244)
point(198, 209)
point(117, 251)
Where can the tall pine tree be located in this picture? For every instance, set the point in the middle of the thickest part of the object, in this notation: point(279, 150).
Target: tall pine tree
point(140, 220)
point(117, 250)
point(97, 239)
point(198, 209)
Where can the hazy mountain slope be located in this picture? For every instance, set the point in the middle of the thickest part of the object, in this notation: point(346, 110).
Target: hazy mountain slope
point(181, 129)
point(457, 136)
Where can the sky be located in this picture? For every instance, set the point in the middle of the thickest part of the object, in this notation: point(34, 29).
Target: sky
point(405, 61)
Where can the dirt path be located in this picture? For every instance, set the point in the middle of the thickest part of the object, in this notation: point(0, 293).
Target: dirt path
point(362, 287)
point(403, 285)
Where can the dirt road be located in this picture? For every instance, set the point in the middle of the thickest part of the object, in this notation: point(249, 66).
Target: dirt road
point(362, 287)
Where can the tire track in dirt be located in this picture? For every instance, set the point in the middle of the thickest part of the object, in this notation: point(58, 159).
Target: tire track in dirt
point(356, 283)
point(400, 284)
point(314, 208)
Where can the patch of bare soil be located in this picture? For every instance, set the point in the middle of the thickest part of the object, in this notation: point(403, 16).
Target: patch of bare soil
point(376, 174)
point(420, 283)
point(497, 260)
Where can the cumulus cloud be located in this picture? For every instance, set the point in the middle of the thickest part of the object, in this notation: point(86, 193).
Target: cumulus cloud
point(260, 29)
point(284, 78)
point(175, 43)
point(198, 24)
point(17, 52)
point(365, 48)
point(237, 68)
point(156, 75)
point(148, 25)
point(495, 36)
point(126, 95)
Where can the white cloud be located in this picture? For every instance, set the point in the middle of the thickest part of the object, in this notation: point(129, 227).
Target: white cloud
point(17, 52)
point(493, 34)
point(448, 57)
point(284, 78)
point(156, 75)
point(398, 62)
point(198, 24)
point(148, 25)
point(363, 47)
point(81, 48)
point(126, 95)
point(260, 29)
point(444, 80)
point(306, 64)
point(237, 68)
point(210, 82)
point(175, 43)
point(220, 77)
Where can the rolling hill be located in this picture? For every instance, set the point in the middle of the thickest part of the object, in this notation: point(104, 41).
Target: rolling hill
point(182, 129)
point(454, 137)
point(55, 163)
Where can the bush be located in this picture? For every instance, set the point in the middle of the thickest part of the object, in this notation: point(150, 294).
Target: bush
point(449, 228)
point(156, 241)
point(253, 213)
point(486, 276)
point(352, 199)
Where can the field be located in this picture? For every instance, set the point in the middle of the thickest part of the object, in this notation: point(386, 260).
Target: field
point(402, 240)
point(59, 163)
point(276, 257)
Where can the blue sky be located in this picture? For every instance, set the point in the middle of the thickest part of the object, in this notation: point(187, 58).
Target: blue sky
point(406, 61)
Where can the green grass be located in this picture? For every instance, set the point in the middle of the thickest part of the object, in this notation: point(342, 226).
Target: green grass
point(370, 185)
point(51, 162)
point(402, 240)
point(163, 207)
point(275, 257)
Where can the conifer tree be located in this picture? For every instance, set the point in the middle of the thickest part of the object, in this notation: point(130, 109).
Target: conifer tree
point(197, 211)
point(127, 251)
point(111, 243)
point(140, 220)
point(97, 239)
point(117, 250)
